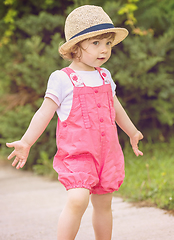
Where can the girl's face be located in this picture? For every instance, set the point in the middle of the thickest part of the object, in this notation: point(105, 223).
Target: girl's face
point(94, 53)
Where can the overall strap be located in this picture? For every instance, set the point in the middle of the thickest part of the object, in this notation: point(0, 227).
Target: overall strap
point(76, 81)
point(74, 77)
point(103, 75)
point(106, 80)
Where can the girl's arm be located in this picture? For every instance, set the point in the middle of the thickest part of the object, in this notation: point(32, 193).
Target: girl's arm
point(127, 126)
point(37, 125)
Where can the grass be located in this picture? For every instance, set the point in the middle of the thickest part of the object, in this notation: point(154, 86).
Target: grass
point(150, 178)
point(45, 167)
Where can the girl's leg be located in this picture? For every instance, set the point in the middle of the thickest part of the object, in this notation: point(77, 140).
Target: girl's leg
point(70, 218)
point(102, 216)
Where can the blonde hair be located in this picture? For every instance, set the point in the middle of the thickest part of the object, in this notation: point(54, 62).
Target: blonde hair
point(71, 53)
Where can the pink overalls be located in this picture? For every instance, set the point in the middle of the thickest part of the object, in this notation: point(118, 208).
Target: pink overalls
point(89, 154)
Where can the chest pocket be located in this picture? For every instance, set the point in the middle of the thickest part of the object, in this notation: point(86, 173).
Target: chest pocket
point(84, 109)
point(111, 107)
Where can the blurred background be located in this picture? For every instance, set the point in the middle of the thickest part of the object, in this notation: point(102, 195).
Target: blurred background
point(142, 67)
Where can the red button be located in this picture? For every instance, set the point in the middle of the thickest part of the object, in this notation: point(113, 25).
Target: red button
point(101, 119)
point(96, 91)
point(103, 134)
point(64, 124)
point(98, 105)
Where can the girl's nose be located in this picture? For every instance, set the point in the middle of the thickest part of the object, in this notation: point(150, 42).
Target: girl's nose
point(104, 48)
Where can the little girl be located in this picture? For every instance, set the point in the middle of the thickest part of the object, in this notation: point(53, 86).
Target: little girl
point(89, 159)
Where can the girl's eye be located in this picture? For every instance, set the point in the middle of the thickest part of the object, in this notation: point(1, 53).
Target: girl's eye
point(109, 43)
point(96, 42)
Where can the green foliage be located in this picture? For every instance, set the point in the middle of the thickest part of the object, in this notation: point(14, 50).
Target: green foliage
point(41, 23)
point(26, 63)
point(45, 167)
point(150, 177)
point(13, 124)
point(129, 8)
point(142, 65)
point(8, 20)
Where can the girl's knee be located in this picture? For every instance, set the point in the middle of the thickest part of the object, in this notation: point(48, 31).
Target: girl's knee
point(78, 199)
point(102, 202)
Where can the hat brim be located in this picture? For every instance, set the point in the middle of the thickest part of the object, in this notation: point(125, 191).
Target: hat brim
point(121, 34)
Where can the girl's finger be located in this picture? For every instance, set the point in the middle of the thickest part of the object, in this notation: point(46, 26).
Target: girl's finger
point(140, 153)
point(21, 163)
point(11, 155)
point(9, 144)
point(137, 151)
point(16, 160)
point(18, 166)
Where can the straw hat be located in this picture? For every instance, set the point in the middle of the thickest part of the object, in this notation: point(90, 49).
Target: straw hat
point(89, 21)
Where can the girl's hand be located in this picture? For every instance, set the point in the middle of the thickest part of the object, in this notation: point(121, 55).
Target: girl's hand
point(21, 152)
point(134, 142)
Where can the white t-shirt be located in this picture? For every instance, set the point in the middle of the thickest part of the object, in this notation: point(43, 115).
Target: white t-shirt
point(60, 88)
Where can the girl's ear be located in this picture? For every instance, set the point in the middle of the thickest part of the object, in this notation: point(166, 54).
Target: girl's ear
point(74, 49)
point(77, 52)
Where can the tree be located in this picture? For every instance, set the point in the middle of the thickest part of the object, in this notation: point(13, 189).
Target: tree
point(142, 65)
point(143, 68)
point(28, 55)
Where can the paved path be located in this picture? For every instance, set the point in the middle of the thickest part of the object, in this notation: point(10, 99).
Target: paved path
point(30, 207)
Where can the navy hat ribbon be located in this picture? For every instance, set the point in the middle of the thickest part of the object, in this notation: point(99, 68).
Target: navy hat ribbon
point(94, 28)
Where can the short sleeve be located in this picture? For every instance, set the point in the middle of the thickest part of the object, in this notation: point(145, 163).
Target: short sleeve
point(53, 97)
point(113, 85)
point(54, 85)
point(58, 85)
